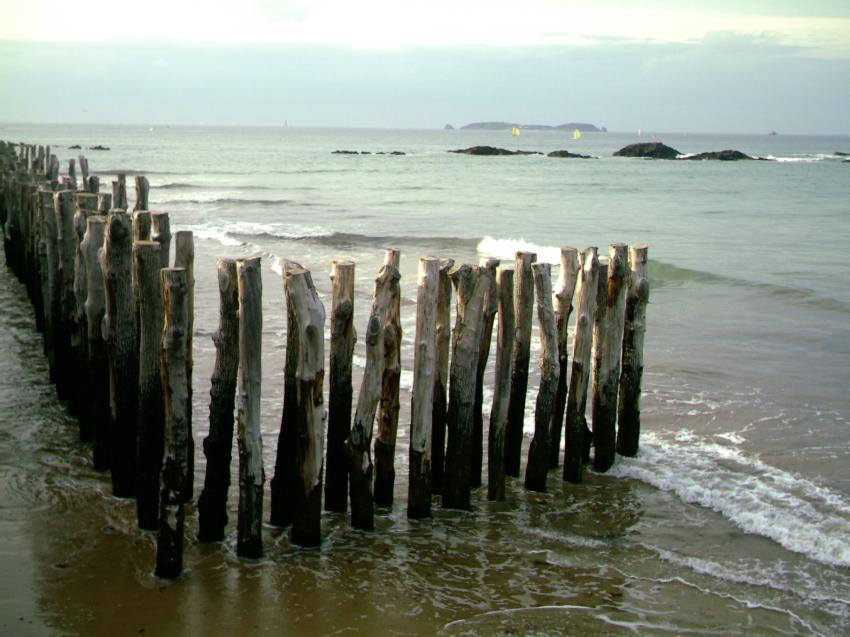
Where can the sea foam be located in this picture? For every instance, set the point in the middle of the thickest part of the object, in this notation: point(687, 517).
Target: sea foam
point(507, 249)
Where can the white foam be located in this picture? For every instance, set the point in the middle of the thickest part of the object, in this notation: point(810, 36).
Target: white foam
point(507, 249)
point(798, 513)
point(214, 233)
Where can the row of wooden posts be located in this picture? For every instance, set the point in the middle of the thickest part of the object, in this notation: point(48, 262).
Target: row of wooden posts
point(118, 323)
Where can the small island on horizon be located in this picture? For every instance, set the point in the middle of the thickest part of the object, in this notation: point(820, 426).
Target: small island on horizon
point(582, 126)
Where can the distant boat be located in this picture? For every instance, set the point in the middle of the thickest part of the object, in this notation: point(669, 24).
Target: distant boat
point(638, 132)
point(576, 134)
point(773, 132)
point(515, 131)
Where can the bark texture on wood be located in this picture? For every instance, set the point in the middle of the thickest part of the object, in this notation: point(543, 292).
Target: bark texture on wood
point(471, 285)
point(360, 440)
point(608, 349)
point(538, 451)
point(422, 401)
point(184, 257)
point(524, 313)
point(150, 425)
point(169, 545)
point(141, 225)
point(628, 416)
point(341, 392)
point(563, 308)
point(389, 404)
point(491, 305)
point(576, 434)
point(66, 355)
point(249, 541)
point(119, 332)
point(501, 389)
point(441, 381)
point(104, 202)
point(142, 189)
point(161, 233)
point(212, 503)
point(119, 192)
point(50, 282)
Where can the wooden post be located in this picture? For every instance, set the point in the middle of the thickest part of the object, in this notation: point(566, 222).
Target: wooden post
point(606, 375)
point(628, 417)
point(422, 401)
point(49, 271)
point(104, 202)
point(150, 425)
point(98, 369)
point(93, 186)
point(63, 209)
point(502, 388)
point(471, 285)
point(184, 257)
point(538, 451)
point(576, 434)
point(142, 225)
point(309, 326)
point(340, 397)
point(524, 313)
point(120, 335)
point(491, 305)
point(212, 503)
point(119, 192)
point(389, 405)
point(84, 172)
point(360, 440)
point(72, 173)
point(86, 205)
point(249, 541)
point(142, 188)
point(169, 545)
point(563, 308)
point(161, 233)
point(441, 382)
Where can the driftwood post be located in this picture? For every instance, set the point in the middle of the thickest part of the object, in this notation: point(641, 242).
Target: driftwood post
point(141, 225)
point(360, 440)
point(502, 388)
point(84, 171)
point(563, 308)
point(491, 305)
point(606, 376)
point(524, 313)
point(309, 326)
point(422, 401)
point(49, 271)
point(628, 417)
point(441, 381)
point(86, 205)
point(150, 424)
point(104, 202)
point(471, 285)
point(98, 368)
point(63, 203)
point(93, 186)
point(389, 405)
point(161, 233)
point(576, 434)
point(538, 450)
point(212, 503)
point(119, 331)
point(184, 257)
point(119, 192)
point(169, 545)
point(340, 388)
point(249, 542)
point(142, 188)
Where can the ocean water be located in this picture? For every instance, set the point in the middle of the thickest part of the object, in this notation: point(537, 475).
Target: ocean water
point(736, 513)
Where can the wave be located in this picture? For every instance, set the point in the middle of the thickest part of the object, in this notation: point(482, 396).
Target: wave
point(186, 186)
point(795, 512)
point(235, 201)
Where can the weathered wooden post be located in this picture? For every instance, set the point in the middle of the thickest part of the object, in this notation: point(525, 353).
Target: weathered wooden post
point(340, 397)
point(422, 401)
point(93, 186)
point(161, 233)
point(212, 503)
point(150, 424)
point(491, 305)
point(119, 192)
point(49, 274)
point(86, 205)
point(538, 450)
point(141, 225)
point(309, 326)
point(576, 433)
point(72, 173)
point(84, 172)
point(441, 382)
point(63, 209)
point(502, 388)
point(524, 313)
point(389, 405)
point(628, 417)
point(184, 257)
point(471, 285)
point(606, 375)
point(169, 545)
point(142, 189)
point(249, 541)
point(563, 308)
point(104, 202)
point(360, 440)
point(119, 332)
point(98, 367)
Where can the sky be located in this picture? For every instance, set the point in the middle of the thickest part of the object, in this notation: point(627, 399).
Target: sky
point(734, 66)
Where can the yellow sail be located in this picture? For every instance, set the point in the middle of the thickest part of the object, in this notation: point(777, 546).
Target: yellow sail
point(515, 132)
point(576, 134)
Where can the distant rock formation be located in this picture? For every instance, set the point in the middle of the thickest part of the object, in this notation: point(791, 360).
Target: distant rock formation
point(649, 150)
point(722, 155)
point(566, 153)
point(98, 147)
point(448, 127)
point(582, 126)
point(491, 150)
point(842, 154)
point(77, 146)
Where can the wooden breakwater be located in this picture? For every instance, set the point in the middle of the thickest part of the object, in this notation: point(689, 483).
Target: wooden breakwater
point(117, 322)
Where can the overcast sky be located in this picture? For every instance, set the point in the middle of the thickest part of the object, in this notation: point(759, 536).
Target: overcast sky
point(748, 66)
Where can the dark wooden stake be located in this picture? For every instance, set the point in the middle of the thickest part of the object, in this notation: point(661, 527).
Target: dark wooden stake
point(502, 388)
point(491, 305)
point(563, 308)
point(441, 380)
point(142, 189)
point(184, 257)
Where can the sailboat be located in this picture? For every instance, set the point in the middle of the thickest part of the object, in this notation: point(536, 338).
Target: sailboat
point(576, 134)
point(515, 131)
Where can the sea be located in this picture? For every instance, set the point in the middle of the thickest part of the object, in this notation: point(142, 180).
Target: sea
point(734, 516)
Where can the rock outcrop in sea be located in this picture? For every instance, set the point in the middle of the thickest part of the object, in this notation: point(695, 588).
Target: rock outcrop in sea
point(649, 150)
point(720, 155)
point(568, 154)
point(492, 150)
